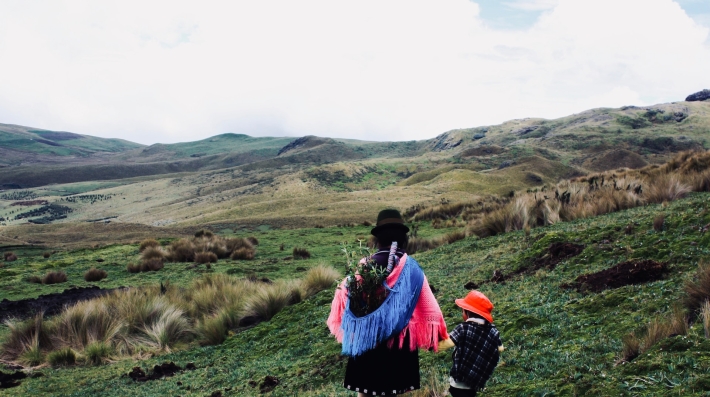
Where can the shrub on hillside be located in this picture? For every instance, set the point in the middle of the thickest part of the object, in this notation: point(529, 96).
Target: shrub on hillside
point(10, 257)
point(205, 257)
point(55, 277)
point(148, 243)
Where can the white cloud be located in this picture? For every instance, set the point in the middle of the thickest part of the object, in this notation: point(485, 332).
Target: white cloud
point(384, 70)
point(532, 5)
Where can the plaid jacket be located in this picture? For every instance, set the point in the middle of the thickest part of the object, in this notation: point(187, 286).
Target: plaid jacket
point(476, 354)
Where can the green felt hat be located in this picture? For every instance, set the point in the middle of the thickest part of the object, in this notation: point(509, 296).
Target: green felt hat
point(389, 219)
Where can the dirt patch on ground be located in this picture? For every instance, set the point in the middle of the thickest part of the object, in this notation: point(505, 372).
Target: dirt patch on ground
point(626, 273)
point(269, 384)
point(556, 253)
point(11, 380)
point(50, 304)
point(159, 371)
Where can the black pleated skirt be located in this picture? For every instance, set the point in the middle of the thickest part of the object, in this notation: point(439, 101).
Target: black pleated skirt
point(383, 371)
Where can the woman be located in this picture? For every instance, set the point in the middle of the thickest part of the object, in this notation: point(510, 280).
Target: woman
point(382, 341)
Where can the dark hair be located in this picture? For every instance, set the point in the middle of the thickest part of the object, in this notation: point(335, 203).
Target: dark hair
point(387, 236)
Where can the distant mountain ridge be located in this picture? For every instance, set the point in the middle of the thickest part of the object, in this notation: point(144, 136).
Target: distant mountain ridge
point(593, 140)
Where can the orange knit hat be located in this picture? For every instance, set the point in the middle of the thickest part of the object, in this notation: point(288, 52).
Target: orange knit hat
point(477, 303)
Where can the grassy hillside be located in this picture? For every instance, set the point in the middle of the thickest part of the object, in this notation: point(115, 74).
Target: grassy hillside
point(37, 145)
point(595, 140)
point(558, 340)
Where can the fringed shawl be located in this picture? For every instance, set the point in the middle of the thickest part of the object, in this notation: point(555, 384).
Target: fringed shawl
point(409, 309)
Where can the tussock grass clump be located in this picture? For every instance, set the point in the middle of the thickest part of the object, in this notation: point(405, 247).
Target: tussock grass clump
point(46, 255)
point(30, 335)
point(204, 233)
point(631, 347)
point(148, 243)
point(205, 257)
point(151, 265)
point(9, 257)
point(34, 280)
point(268, 301)
point(705, 315)
point(300, 253)
point(243, 253)
point(253, 240)
point(98, 352)
point(595, 194)
point(320, 278)
point(54, 277)
point(150, 253)
point(62, 357)
point(658, 222)
point(185, 250)
point(153, 319)
point(666, 188)
point(133, 268)
point(697, 291)
point(94, 274)
point(182, 250)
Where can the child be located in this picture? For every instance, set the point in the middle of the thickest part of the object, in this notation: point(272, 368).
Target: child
point(477, 346)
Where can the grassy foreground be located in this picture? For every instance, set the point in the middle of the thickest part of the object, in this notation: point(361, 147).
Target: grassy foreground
point(559, 341)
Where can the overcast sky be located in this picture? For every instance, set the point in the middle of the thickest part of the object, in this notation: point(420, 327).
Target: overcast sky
point(171, 71)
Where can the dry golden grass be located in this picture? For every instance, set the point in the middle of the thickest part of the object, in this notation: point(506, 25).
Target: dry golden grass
point(319, 278)
point(597, 194)
point(154, 319)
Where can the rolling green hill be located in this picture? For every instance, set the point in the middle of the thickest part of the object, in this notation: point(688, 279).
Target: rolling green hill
point(23, 144)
